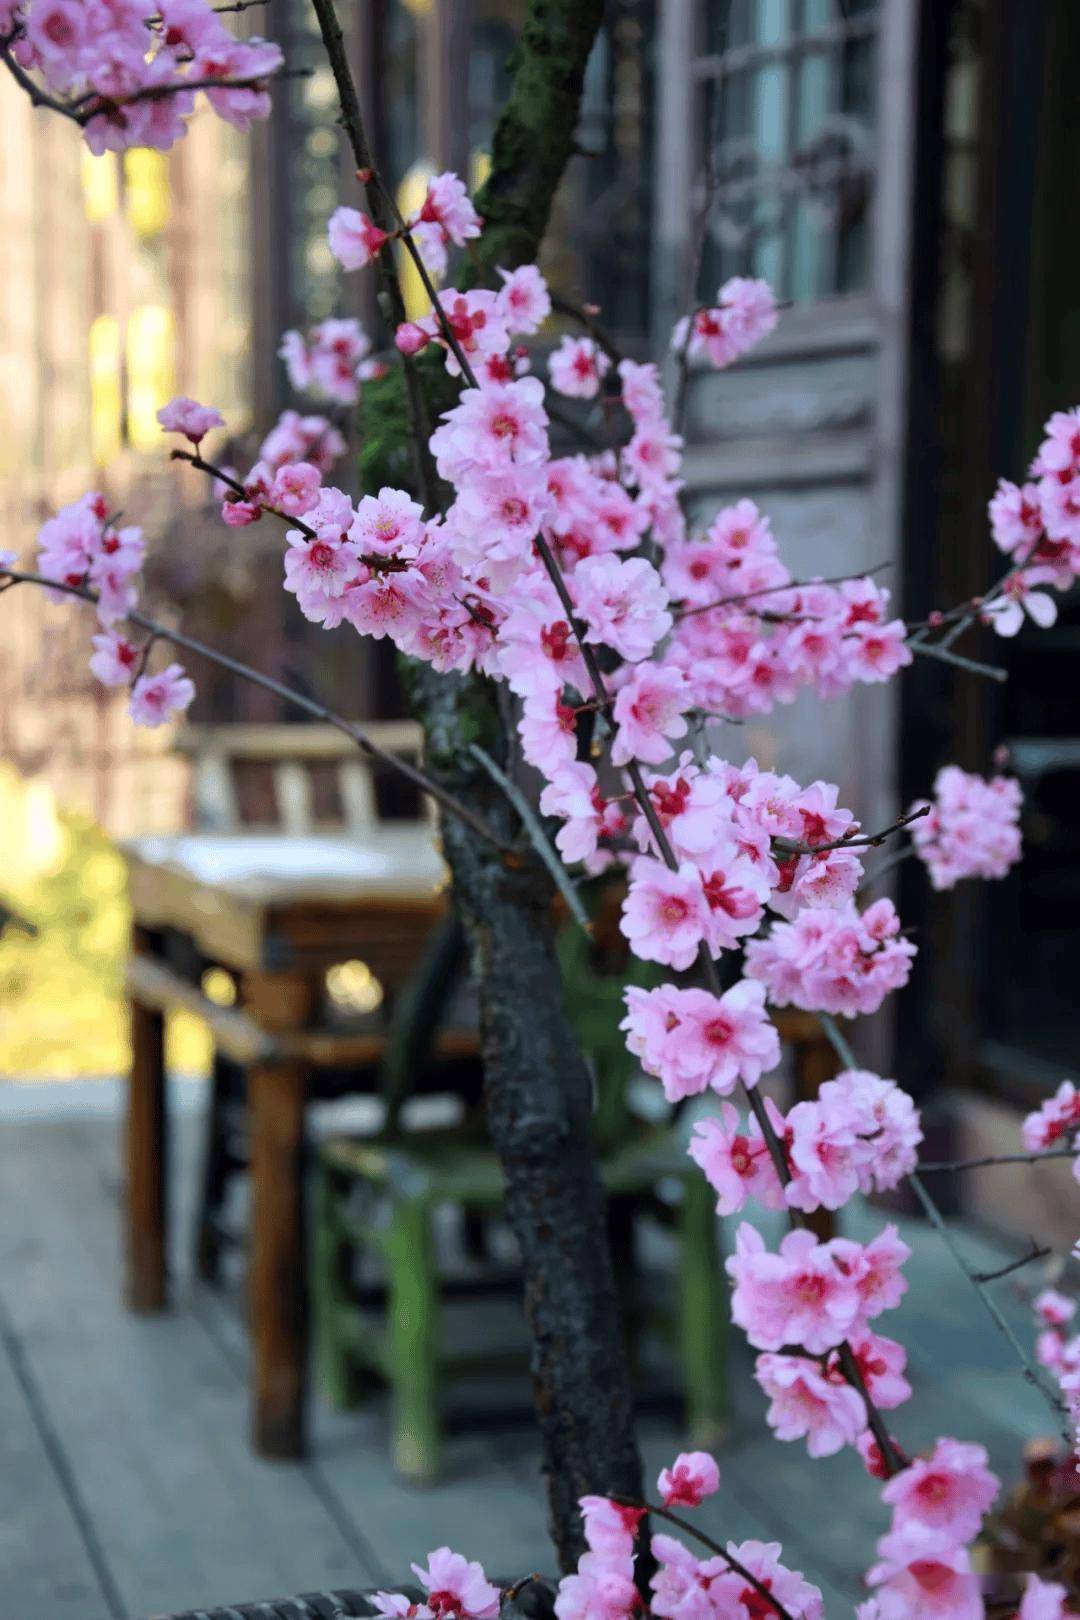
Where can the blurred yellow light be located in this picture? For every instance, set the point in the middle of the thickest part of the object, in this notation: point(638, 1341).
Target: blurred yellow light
point(150, 378)
point(353, 987)
point(101, 193)
point(147, 197)
point(103, 343)
point(219, 987)
point(410, 199)
point(479, 169)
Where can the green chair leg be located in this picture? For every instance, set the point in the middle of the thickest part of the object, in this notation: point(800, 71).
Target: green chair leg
point(413, 1341)
point(703, 1315)
point(342, 1380)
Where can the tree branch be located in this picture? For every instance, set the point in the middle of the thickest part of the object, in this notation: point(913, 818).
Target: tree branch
point(318, 711)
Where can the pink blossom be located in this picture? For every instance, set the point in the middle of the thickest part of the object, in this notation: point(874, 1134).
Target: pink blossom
point(355, 240)
point(302, 438)
point(476, 322)
point(547, 731)
point(691, 1039)
point(449, 206)
point(653, 457)
point(1044, 1600)
point(881, 1363)
point(524, 300)
point(1057, 1117)
point(1018, 599)
point(328, 358)
point(832, 959)
point(877, 1270)
point(237, 513)
point(156, 698)
point(664, 915)
point(186, 416)
point(744, 313)
point(807, 1404)
point(623, 603)
point(491, 427)
point(642, 391)
point(949, 1492)
point(389, 524)
point(925, 1573)
point(876, 651)
point(295, 487)
point(115, 659)
point(610, 1528)
point(409, 338)
point(457, 1589)
point(972, 829)
point(736, 1163)
point(650, 712)
point(1016, 518)
point(734, 1598)
point(1053, 1308)
point(600, 1589)
point(806, 1294)
point(577, 367)
point(691, 1478)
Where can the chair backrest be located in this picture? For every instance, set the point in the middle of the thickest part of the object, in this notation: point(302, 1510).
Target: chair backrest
point(290, 756)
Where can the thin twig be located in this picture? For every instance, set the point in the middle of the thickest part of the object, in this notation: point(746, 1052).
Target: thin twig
point(1036, 1252)
point(381, 202)
point(318, 711)
point(950, 1165)
point(929, 649)
point(990, 1303)
point(776, 590)
point(696, 260)
point(855, 840)
point(531, 822)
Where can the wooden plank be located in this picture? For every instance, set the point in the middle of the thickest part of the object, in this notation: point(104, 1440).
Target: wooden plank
point(146, 1144)
point(278, 1285)
point(36, 1513)
point(153, 1416)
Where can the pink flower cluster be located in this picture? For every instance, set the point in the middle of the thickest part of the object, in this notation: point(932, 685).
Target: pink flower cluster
point(446, 216)
point(811, 1294)
point(329, 359)
point(833, 959)
point(860, 1134)
point(938, 1504)
point(1055, 1119)
point(745, 312)
point(1059, 1350)
point(738, 1586)
point(126, 69)
point(1037, 525)
point(457, 1589)
point(80, 547)
point(748, 637)
point(972, 829)
point(811, 1399)
point(692, 1040)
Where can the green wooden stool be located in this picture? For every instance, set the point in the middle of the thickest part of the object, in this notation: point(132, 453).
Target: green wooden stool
point(379, 1198)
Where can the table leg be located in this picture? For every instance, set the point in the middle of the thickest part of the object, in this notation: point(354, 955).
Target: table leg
point(277, 1290)
point(146, 1152)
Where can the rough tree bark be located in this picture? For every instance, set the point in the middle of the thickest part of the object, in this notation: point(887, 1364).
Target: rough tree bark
point(538, 1088)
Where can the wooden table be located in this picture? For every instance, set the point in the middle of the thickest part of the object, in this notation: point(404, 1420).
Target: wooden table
point(276, 912)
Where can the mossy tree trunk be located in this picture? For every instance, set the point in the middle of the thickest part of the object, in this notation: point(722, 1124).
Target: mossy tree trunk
point(538, 1087)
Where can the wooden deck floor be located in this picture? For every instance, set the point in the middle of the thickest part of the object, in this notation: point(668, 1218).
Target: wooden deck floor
point(127, 1487)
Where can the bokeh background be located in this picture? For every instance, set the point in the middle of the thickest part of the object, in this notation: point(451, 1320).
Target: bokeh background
point(901, 172)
